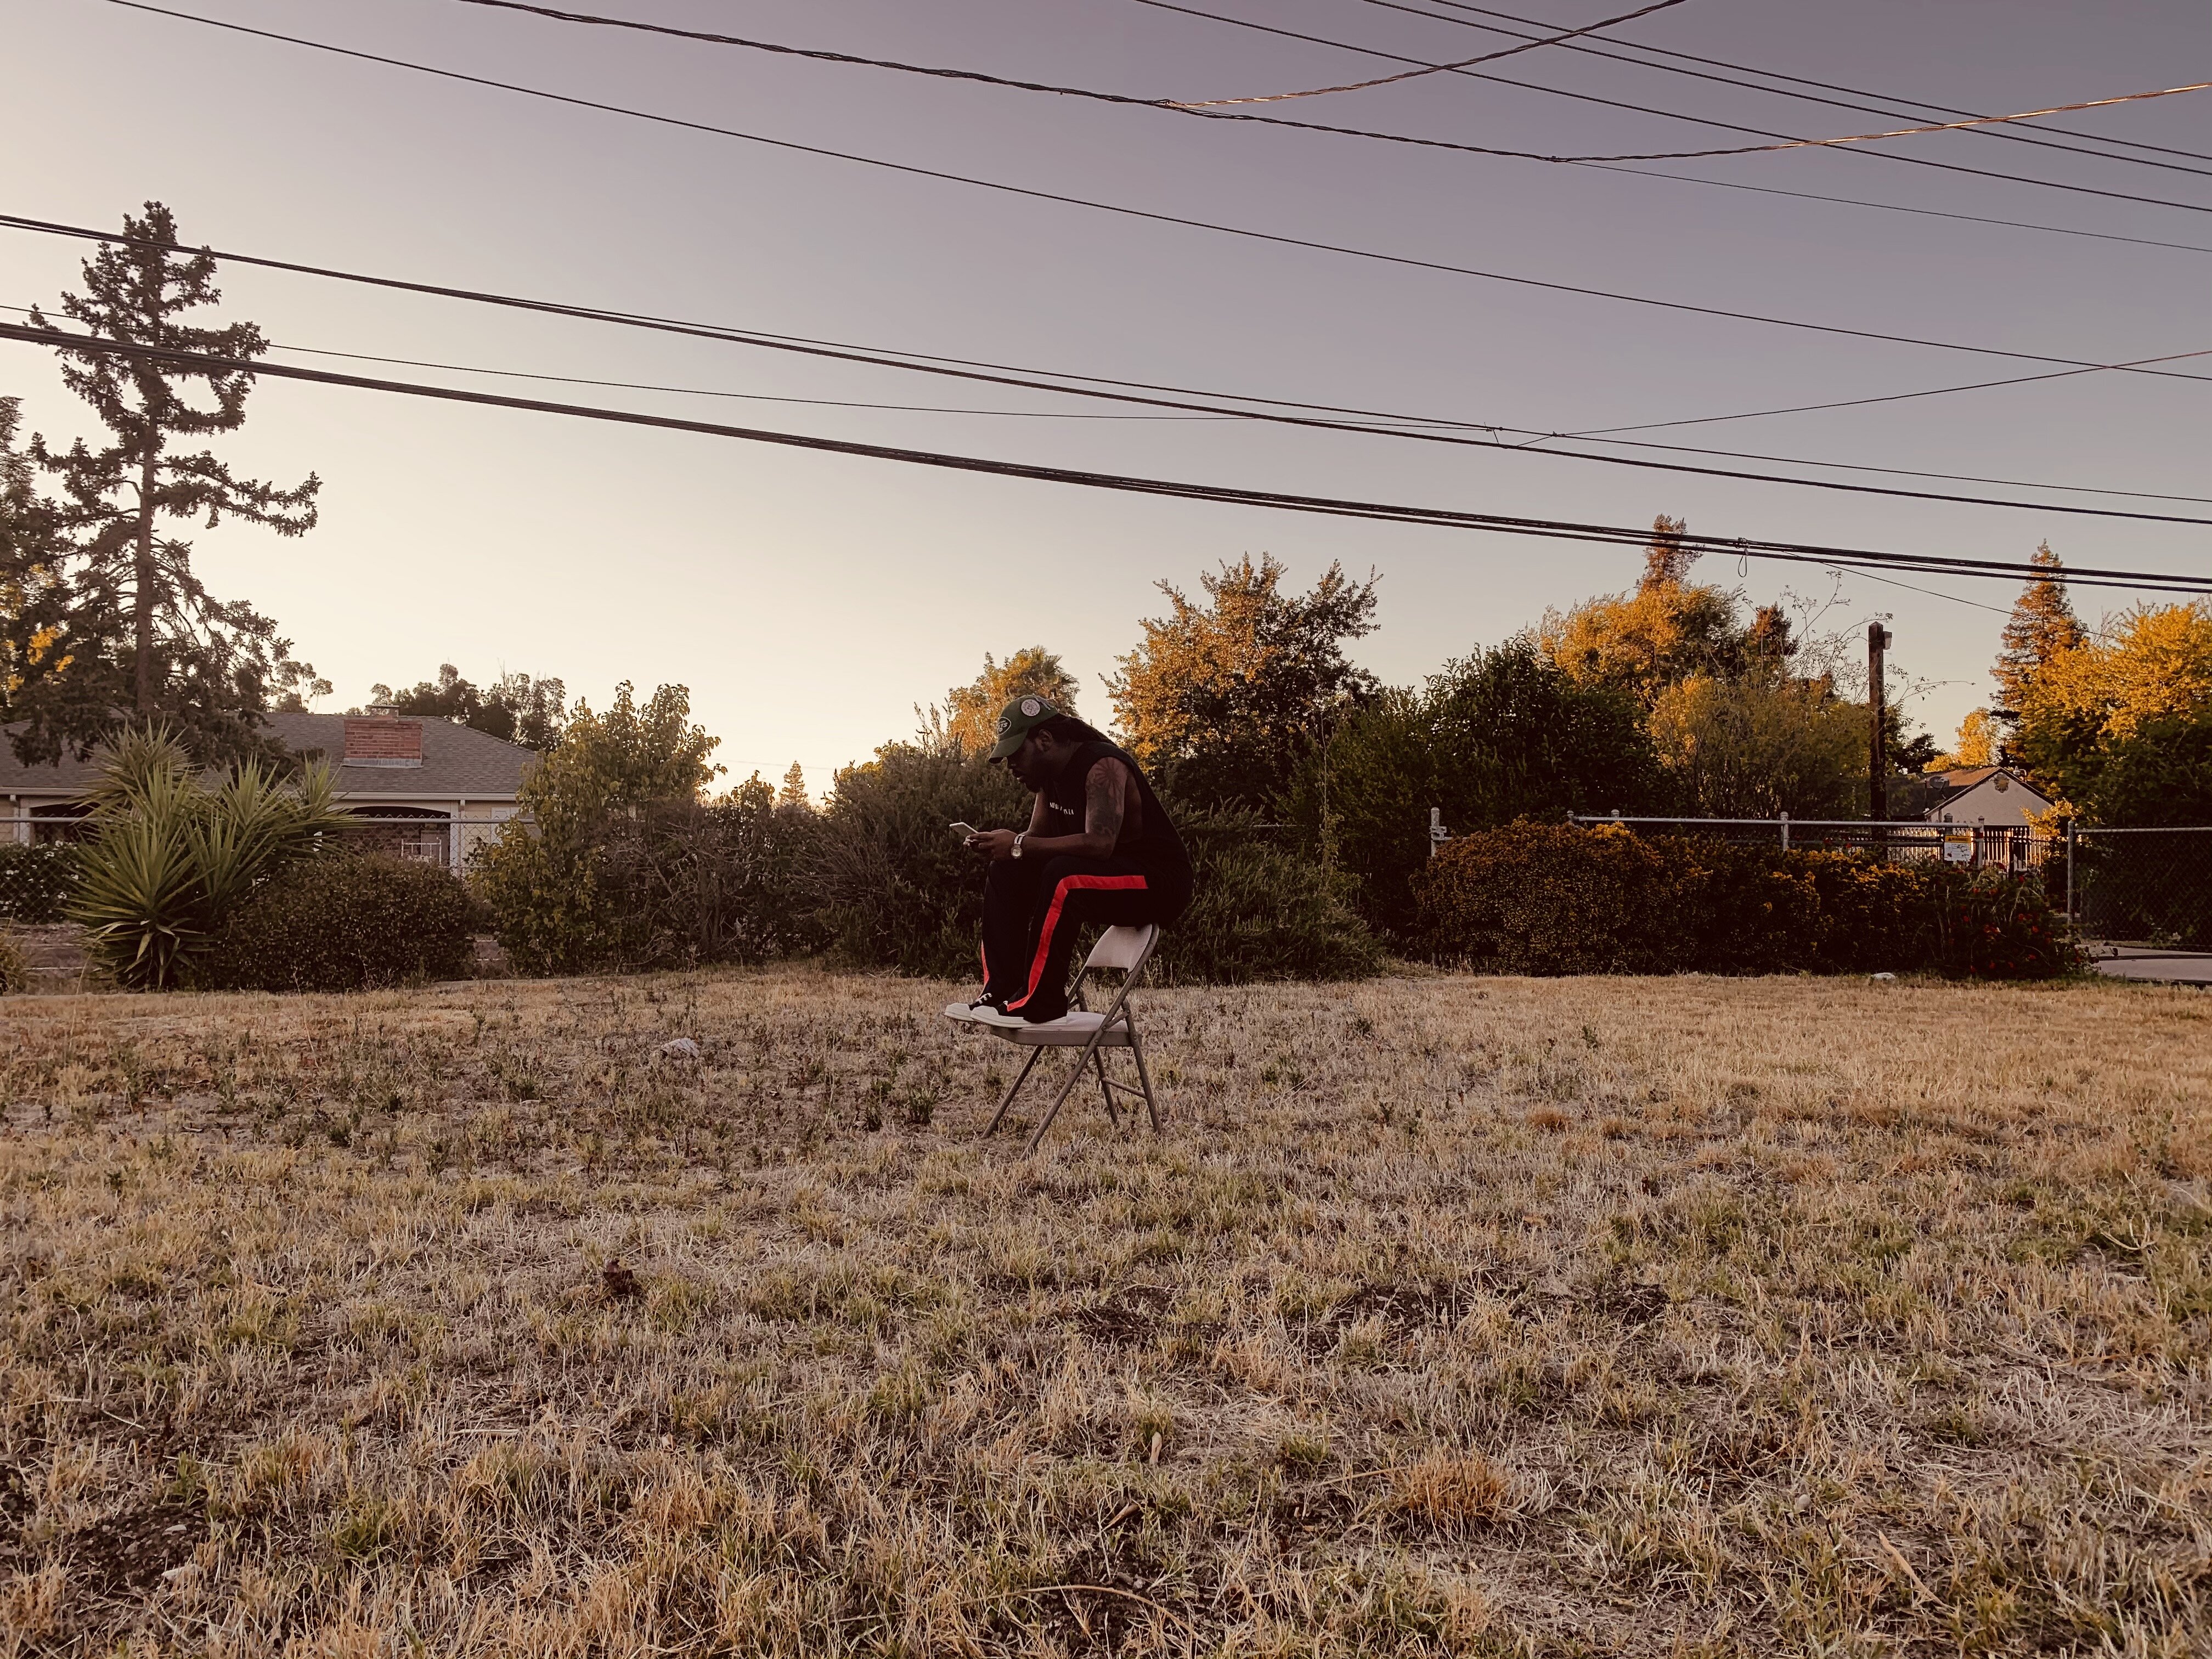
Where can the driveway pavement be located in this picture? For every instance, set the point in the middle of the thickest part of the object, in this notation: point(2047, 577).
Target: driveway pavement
point(2145, 962)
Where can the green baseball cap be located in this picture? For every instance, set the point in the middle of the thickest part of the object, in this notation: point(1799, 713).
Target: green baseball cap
point(1016, 721)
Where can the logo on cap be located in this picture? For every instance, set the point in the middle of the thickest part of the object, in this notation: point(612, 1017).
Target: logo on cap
point(1031, 708)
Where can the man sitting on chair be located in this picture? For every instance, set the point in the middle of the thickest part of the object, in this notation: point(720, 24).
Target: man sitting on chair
point(1099, 848)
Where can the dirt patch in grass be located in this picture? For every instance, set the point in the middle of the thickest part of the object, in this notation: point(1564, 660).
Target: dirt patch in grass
point(1450, 1316)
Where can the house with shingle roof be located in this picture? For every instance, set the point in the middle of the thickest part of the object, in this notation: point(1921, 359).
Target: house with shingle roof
point(426, 790)
point(1996, 796)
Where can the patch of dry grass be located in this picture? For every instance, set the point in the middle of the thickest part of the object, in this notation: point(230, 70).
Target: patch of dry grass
point(1598, 1317)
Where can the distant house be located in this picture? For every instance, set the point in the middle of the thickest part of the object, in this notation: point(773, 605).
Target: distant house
point(1996, 796)
point(426, 790)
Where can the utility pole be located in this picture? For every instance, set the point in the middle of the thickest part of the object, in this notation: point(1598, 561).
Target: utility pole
point(1878, 640)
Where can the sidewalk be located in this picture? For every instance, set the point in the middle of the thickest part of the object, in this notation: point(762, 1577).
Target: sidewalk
point(2146, 962)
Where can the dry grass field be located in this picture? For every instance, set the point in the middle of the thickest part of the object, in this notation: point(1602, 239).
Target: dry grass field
point(1489, 1316)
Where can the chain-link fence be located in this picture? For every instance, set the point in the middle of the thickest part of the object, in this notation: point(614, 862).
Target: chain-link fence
point(2138, 886)
point(2017, 848)
point(2145, 886)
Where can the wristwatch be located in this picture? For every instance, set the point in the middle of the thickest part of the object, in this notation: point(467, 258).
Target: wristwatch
point(1018, 843)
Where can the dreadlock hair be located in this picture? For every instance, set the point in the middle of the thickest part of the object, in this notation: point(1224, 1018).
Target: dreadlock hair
point(1065, 729)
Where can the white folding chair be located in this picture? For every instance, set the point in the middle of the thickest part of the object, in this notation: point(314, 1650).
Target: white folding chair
point(1126, 949)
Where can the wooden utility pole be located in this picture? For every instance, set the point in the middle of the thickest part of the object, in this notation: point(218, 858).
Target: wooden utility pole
point(1877, 744)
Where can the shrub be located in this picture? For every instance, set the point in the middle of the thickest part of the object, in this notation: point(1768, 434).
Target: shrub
point(897, 889)
point(899, 892)
point(1264, 909)
point(348, 921)
point(1549, 899)
point(1502, 735)
point(173, 859)
point(689, 882)
point(544, 877)
point(37, 879)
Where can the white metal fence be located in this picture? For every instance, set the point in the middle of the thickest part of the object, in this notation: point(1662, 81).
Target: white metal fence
point(419, 835)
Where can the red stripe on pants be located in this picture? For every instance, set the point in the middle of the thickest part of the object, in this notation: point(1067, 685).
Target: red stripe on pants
point(1115, 884)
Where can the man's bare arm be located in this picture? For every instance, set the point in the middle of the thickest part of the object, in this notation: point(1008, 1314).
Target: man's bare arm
point(1104, 802)
point(1105, 806)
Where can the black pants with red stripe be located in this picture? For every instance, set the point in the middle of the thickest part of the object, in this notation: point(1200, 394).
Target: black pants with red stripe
point(1033, 908)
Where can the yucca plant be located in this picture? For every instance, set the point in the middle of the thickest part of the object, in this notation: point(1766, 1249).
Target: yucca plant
point(172, 857)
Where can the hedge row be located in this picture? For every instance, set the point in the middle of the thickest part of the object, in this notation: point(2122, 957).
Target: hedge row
point(1532, 898)
point(346, 921)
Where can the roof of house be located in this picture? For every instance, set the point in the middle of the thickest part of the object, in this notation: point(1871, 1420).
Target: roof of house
point(1959, 783)
point(457, 761)
point(1966, 777)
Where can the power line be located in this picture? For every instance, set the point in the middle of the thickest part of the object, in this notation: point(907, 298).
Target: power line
point(1860, 403)
point(1189, 108)
point(1894, 207)
point(2040, 138)
point(1150, 215)
point(1403, 427)
point(1412, 74)
point(1647, 109)
point(1919, 131)
point(1892, 471)
point(2044, 138)
point(1442, 518)
point(1381, 426)
point(1210, 109)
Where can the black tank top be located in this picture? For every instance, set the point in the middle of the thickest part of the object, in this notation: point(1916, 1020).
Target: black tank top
point(1148, 837)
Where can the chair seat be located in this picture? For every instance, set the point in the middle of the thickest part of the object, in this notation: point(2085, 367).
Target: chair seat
point(1071, 1030)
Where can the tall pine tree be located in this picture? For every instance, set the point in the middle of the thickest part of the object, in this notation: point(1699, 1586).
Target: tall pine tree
point(2042, 625)
point(128, 627)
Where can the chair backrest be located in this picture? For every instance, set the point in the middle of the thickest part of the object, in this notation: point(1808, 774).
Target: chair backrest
point(1125, 948)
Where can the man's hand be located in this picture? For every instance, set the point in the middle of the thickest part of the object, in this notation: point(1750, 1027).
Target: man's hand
point(993, 843)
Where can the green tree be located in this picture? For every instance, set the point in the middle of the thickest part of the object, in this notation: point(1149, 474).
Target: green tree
point(1226, 699)
point(515, 708)
point(1749, 748)
point(543, 877)
point(1501, 735)
point(793, 795)
point(32, 577)
point(968, 717)
point(2161, 772)
point(129, 624)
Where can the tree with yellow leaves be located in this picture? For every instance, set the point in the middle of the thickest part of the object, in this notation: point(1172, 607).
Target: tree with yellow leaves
point(1975, 745)
point(1227, 696)
point(967, 719)
point(2118, 727)
point(1742, 731)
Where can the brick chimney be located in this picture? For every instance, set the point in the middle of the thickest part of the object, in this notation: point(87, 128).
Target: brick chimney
point(380, 737)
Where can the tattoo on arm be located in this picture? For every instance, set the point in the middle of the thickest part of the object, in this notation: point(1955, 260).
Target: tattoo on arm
point(1102, 803)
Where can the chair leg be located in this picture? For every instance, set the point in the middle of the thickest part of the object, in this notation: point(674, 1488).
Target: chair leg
point(1035, 1054)
point(1105, 1089)
point(1143, 1077)
point(1082, 1062)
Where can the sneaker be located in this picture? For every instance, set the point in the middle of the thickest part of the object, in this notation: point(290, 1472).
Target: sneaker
point(990, 1013)
point(967, 1012)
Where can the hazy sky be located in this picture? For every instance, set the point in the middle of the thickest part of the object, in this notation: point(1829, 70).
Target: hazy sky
point(810, 601)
